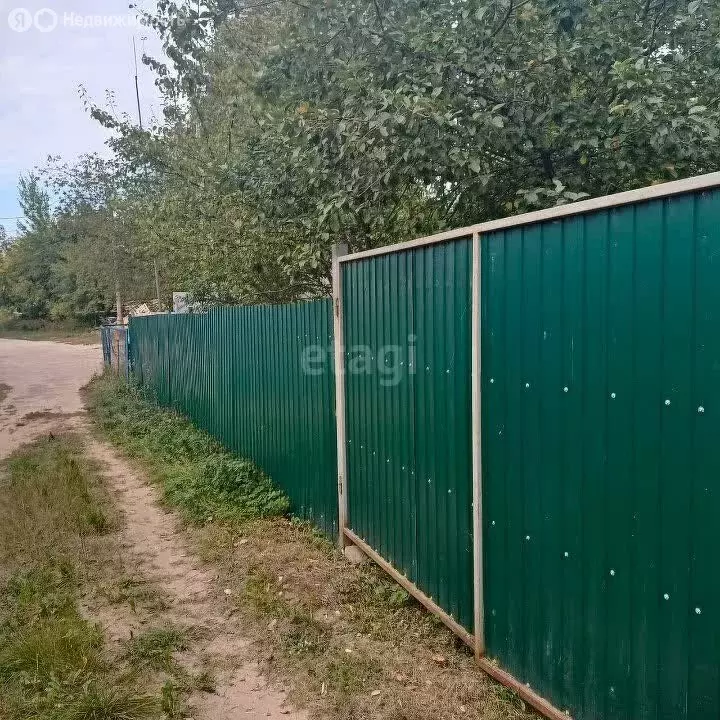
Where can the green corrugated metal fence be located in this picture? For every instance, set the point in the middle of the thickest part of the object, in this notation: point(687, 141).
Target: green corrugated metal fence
point(240, 373)
point(407, 347)
point(599, 331)
point(601, 397)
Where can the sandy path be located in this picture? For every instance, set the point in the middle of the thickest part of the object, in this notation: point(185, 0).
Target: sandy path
point(46, 378)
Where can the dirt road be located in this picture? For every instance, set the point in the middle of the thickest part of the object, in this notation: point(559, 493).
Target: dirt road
point(40, 386)
point(41, 383)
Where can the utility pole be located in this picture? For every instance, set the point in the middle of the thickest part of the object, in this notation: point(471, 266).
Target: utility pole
point(140, 122)
point(116, 272)
point(137, 86)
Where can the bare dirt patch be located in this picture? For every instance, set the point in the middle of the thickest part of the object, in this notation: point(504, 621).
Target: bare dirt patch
point(42, 377)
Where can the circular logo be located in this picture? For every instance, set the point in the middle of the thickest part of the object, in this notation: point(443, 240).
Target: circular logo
point(46, 20)
point(20, 20)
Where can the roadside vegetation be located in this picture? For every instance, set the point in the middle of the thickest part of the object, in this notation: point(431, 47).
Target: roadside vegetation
point(347, 640)
point(60, 570)
point(286, 126)
point(68, 332)
point(196, 474)
point(54, 663)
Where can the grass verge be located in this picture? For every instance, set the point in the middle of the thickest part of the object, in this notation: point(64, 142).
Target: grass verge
point(71, 333)
point(197, 475)
point(348, 641)
point(53, 661)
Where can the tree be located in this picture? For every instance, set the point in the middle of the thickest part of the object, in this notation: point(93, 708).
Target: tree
point(69, 263)
point(28, 261)
point(289, 126)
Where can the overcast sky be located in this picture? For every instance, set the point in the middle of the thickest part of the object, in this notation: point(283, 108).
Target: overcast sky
point(44, 58)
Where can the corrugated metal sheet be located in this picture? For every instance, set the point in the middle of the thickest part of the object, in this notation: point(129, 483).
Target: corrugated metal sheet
point(601, 411)
point(260, 379)
point(407, 326)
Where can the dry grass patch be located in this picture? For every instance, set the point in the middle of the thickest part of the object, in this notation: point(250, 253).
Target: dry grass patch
point(354, 644)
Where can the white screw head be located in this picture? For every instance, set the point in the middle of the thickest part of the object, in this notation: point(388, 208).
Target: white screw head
point(667, 403)
point(493, 522)
point(565, 389)
point(612, 572)
point(492, 380)
point(701, 409)
point(567, 554)
point(527, 385)
point(613, 396)
point(698, 611)
point(666, 596)
point(527, 537)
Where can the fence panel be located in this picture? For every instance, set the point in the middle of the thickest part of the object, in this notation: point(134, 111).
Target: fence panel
point(407, 328)
point(260, 380)
point(601, 379)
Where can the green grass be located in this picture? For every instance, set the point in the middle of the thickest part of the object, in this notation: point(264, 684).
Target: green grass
point(154, 648)
point(350, 642)
point(53, 662)
point(70, 332)
point(197, 475)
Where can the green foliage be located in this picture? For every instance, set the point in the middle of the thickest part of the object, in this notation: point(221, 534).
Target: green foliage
point(289, 126)
point(172, 703)
point(197, 475)
point(67, 263)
